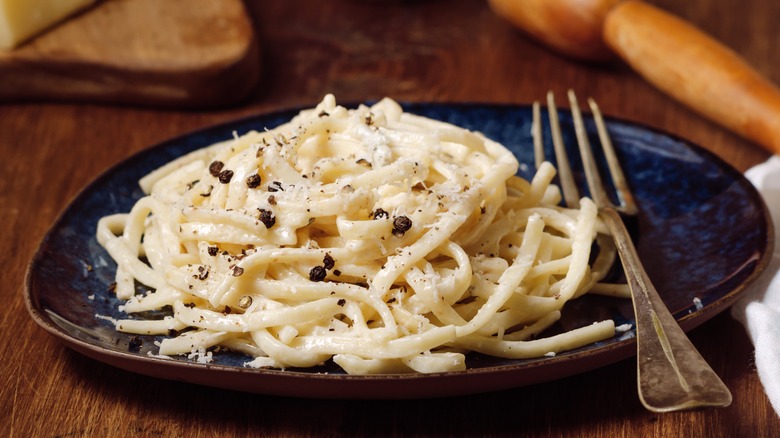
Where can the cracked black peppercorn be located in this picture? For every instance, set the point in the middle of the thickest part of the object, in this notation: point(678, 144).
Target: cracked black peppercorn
point(401, 224)
point(267, 217)
point(216, 167)
point(253, 181)
point(328, 262)
point(379, 214)
point(275, 186)
point(317, 273)
point(225, 176)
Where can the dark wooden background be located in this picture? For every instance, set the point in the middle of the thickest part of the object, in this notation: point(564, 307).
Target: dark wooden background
point(435, 50)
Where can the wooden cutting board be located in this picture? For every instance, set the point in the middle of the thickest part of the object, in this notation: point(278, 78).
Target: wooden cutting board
point(171, 53)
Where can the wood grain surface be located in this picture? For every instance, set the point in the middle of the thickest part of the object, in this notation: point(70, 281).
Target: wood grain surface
point(175, 53)
point(435, 50)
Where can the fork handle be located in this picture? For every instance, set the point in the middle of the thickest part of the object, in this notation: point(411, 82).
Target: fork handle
point(671, 374)
point(695, 69)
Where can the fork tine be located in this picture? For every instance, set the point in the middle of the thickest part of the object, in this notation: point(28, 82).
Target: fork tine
point(570, 193)
point(625, 197)
point(595, 185)
point(536, 133)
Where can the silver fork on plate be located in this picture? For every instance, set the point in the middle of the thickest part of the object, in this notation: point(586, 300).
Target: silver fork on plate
point(671, 374)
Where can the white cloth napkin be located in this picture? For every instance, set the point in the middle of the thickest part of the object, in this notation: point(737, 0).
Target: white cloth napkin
point(759, 309)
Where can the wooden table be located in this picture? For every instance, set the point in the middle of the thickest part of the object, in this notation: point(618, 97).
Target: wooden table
point(411, 50)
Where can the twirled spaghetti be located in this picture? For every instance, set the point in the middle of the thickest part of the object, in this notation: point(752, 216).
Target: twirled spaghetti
point(382, 240)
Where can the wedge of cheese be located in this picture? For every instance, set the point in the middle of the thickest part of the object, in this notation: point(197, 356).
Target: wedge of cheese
point(22, 19)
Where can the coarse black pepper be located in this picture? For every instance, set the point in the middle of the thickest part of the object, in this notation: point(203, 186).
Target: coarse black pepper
point(380, 214)
point(215, 168)
point(237, 270)
point(317, 273)
point(225, 176)
point(401, 224)
point(213, 250)
point(253, 181)
point(275, 186)
point(341, 302)
point(267, 217)
point(328, 262)
point(336, 272)
point(271, 199)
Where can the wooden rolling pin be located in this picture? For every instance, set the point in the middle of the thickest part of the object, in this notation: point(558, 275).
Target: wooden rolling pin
point(676, 57)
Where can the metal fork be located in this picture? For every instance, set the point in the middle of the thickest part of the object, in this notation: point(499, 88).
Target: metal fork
point(671, 374)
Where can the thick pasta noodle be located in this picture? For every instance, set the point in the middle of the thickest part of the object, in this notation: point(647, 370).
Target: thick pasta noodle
point(385, 241)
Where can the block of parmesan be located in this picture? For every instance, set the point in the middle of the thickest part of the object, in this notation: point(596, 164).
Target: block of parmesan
point(22, 19)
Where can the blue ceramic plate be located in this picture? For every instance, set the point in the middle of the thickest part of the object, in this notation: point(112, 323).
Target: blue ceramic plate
point(703, 234)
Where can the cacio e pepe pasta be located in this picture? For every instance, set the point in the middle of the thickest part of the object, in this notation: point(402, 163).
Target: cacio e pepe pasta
point(385, 241)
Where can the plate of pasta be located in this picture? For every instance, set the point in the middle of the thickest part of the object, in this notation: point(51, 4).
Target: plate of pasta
point(382, 251)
